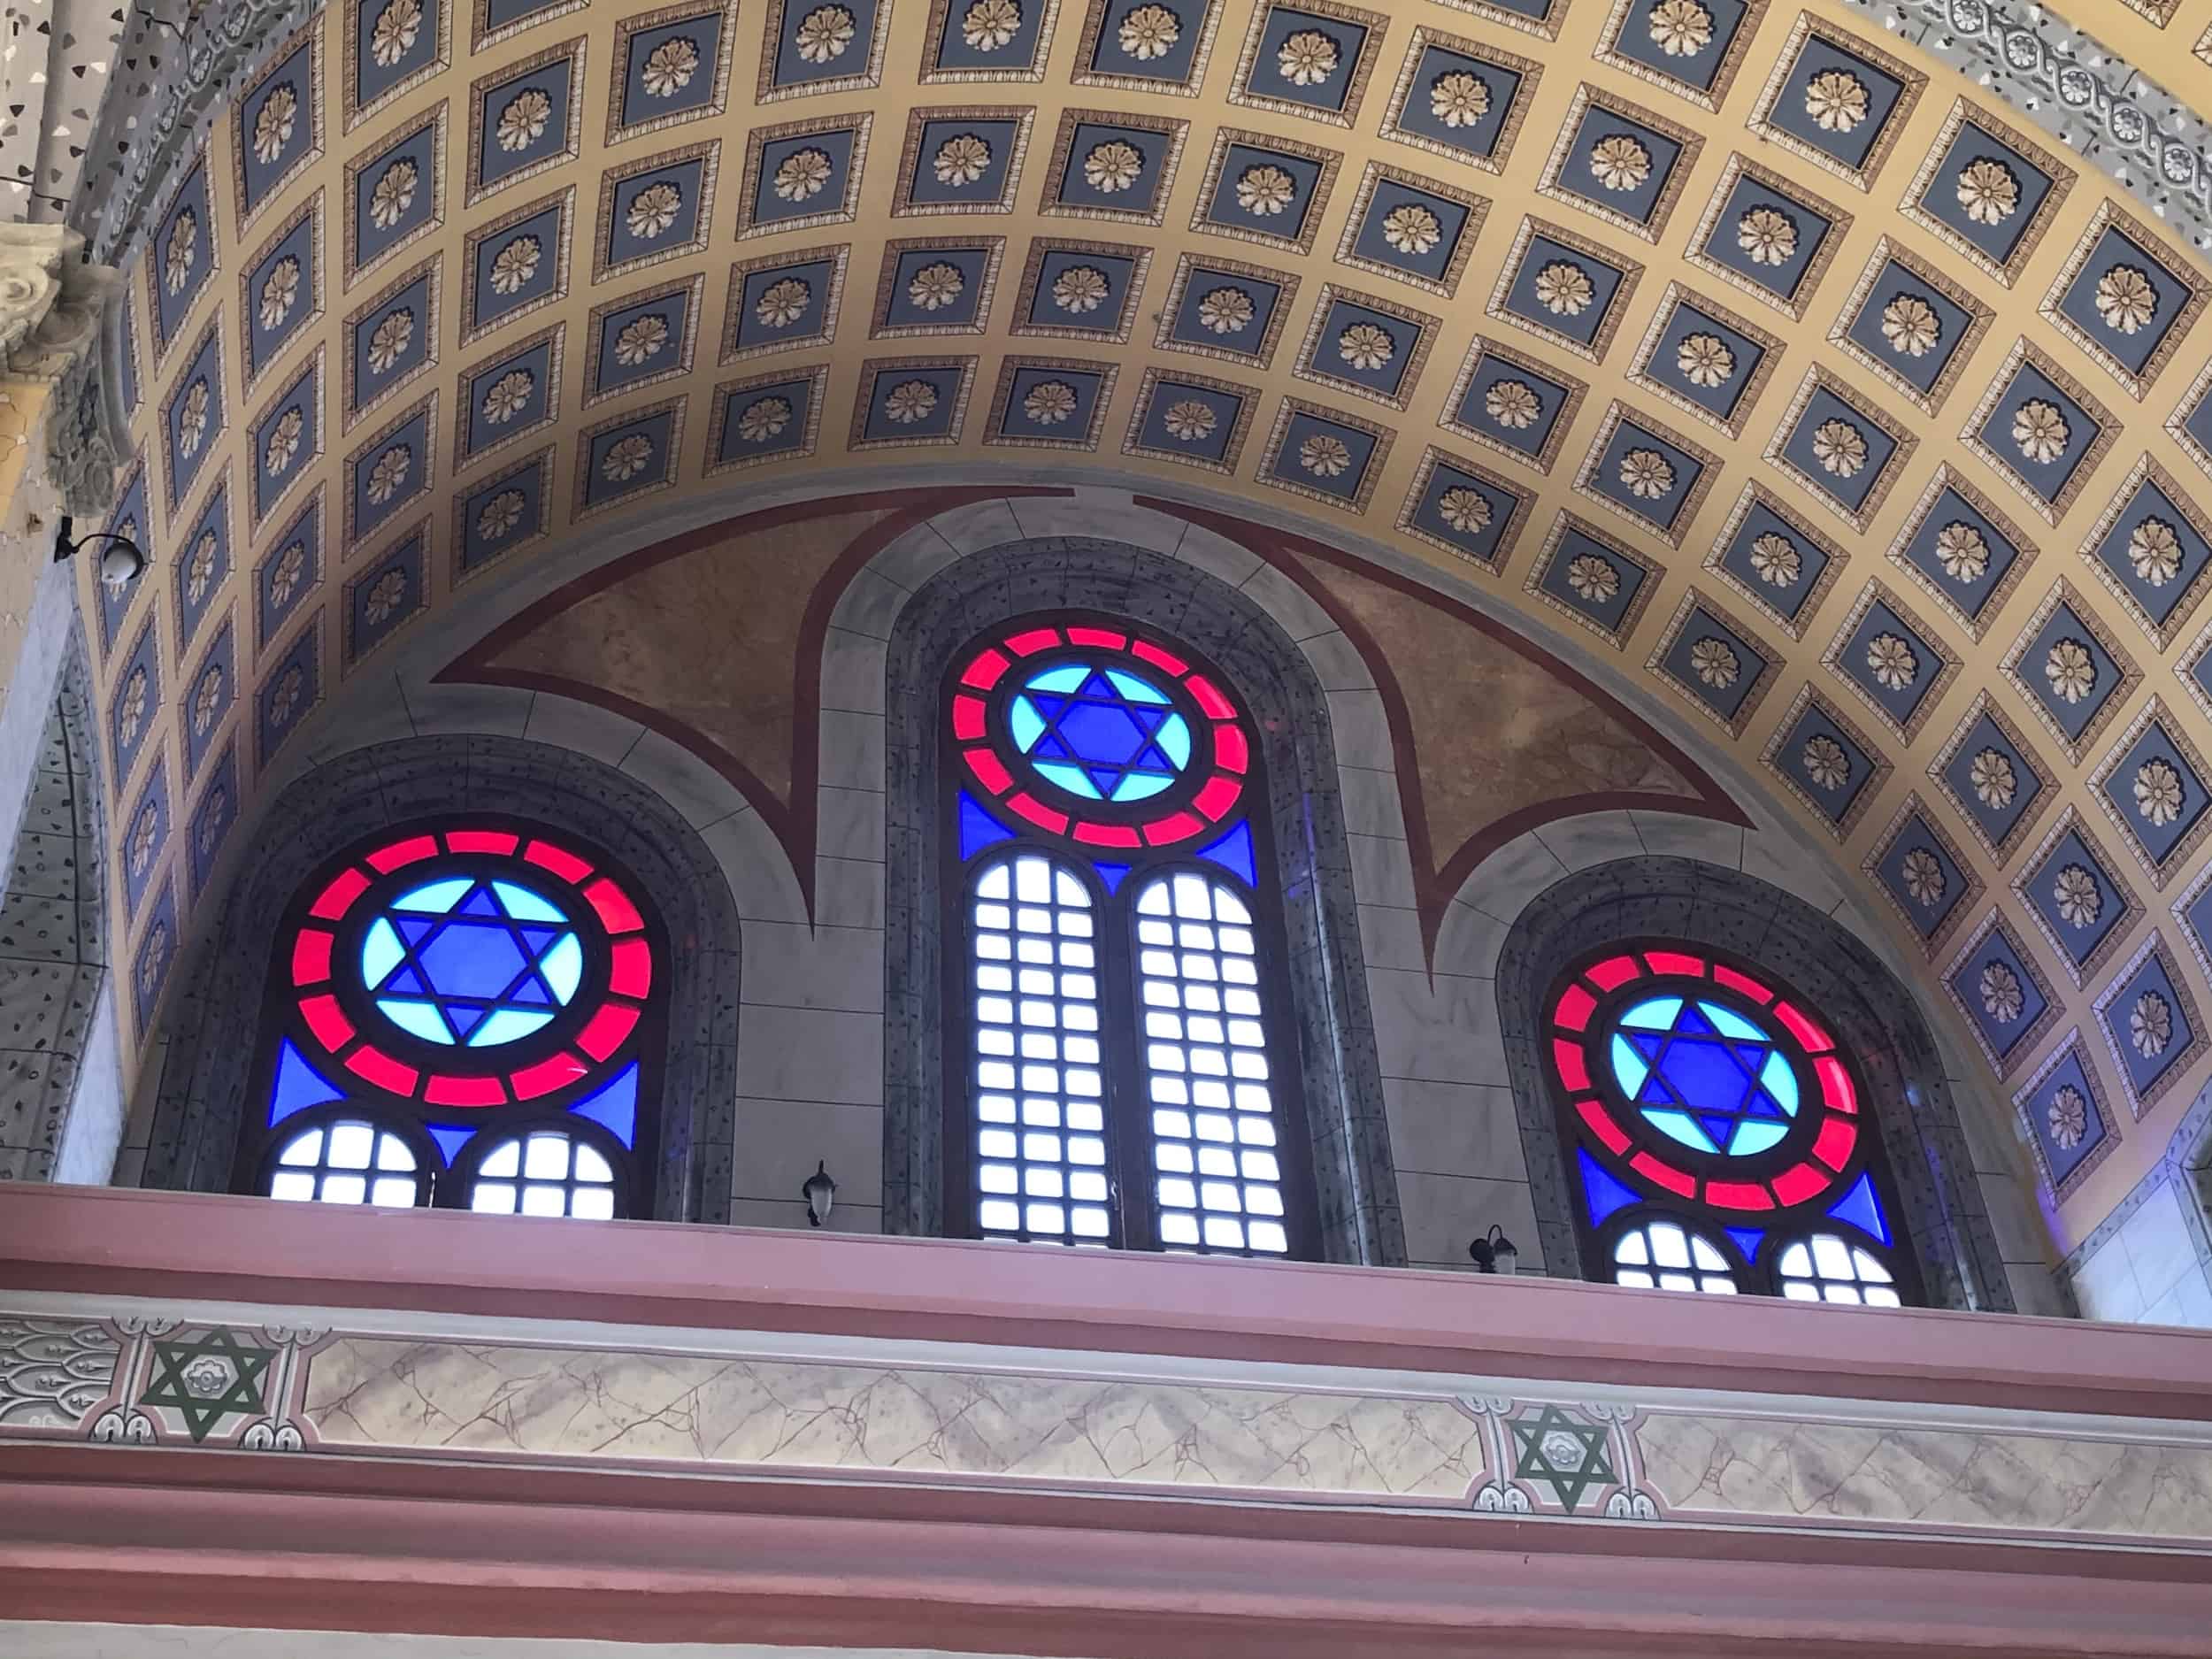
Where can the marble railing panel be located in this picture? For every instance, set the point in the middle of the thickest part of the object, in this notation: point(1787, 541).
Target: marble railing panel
point(2048, 1482)
point(364, 1394)
point(726, 1404)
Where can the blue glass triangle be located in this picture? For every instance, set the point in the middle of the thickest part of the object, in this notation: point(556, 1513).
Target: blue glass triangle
point(297, 1087)
point(1052, 708)
point(1762, 1106)
point(1719, 1127)
point(1105, 777)
point(1655, 1093)
point(978, 828)
point(1148, 720)
point(1646, 1043)
point(1753, 1054)
point(1110, 874)
point(1050, 748)
point(1099, 686)
point(463, 1019)
point(1152, 760)
point(1690, 1020)
point(479, 904)
point(1862, 1210)
point(415, 929)
point(530, 994)
point(537, 938)
point(1233, 853)
point(1603, 1193)
point(451, 1138)
point(614, 1108)
point(405, 983)
point(1747, 1239)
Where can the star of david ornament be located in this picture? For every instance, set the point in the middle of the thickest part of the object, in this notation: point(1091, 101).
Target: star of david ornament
point(206, 1378)
point(1564, 1452)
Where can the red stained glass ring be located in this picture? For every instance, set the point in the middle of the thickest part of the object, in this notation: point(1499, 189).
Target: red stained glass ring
point(1106, 738)
point(471, 968)
point(1704, 1081)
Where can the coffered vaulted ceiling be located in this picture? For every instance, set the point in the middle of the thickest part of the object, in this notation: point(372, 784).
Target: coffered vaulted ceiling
point(1742, 344)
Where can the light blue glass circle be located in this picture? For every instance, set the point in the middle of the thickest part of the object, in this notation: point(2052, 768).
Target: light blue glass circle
point(467, 962)
point(1704, 1075)
point(1103, 733)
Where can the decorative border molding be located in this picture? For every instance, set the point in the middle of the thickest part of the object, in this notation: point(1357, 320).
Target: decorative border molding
point(2074, 87)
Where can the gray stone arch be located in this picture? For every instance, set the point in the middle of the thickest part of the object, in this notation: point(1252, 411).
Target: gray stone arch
point(53, 947)
point(1355, 1184)
point(214, 1022)
point(1872, 1012)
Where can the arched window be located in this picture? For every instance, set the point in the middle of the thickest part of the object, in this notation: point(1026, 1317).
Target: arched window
point(462, 1014)
point(1719, 1140)
point(1115, 963)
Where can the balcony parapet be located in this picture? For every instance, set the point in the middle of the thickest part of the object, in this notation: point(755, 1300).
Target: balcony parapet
point(1056, 1452)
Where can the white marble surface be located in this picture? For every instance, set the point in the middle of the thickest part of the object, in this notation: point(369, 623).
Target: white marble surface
point(1750, 1467)
point(572, 1403)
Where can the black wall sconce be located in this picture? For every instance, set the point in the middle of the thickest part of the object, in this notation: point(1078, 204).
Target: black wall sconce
point(119, 564)
point(1493, 1252)
point(820, 1192)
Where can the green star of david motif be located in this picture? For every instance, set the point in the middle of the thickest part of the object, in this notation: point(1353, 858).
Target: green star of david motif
point(1566, 1454)
point(207, 1379)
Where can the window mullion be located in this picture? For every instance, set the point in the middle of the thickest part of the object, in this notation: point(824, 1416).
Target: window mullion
point(1129, 1104)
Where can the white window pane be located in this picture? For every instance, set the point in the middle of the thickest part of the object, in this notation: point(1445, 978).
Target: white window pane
point(351, 1145)
point(392, 1153)
point(1684, 1260)
point(496, 1198)
point(504, 1160)
point(1831, 1257)
point(307, 1148)
point(291, 1184)
point(1045, 1014)
point(590, 1166)
point(539, 1199)
point(345, 1189)
point(395, 1192)
point(593, 1204)
point(1222, 1233)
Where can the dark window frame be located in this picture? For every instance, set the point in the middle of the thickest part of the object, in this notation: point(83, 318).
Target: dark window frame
point(1135, 1224)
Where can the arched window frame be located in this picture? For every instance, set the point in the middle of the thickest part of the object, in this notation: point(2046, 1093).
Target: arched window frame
point(1025, 823)
point(1909, 1101)
point(452, 1104)
point(214, 1023)
point(1827, 1176)
point(1332, 1030)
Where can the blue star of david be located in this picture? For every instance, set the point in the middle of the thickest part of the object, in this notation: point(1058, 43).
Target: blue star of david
point(1704, 1075)
point(1105, 734)
point(464, 961)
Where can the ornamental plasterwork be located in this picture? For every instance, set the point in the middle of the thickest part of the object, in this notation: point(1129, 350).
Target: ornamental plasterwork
point(51, 308)
point(2074, 87)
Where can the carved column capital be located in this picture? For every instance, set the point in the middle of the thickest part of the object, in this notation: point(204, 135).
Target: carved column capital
point(52, 308)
